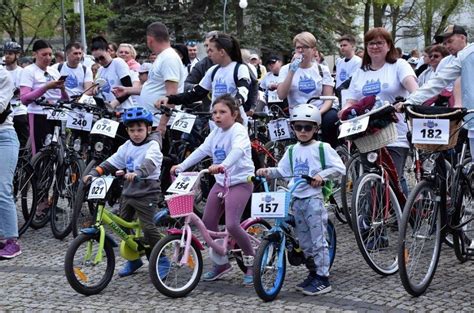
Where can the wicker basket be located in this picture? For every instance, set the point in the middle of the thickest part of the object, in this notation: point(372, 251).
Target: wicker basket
point(377, 140)
point(454, 125)
point(180, 205)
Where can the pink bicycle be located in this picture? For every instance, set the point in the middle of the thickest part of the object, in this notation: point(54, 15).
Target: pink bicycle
point(176, 262)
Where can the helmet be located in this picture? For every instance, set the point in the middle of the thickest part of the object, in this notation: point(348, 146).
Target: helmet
point(306, 112)
point(11, 46)
point(137, 114)
point(413, 61)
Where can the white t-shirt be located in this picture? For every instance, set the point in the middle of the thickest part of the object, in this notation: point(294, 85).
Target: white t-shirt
point(307, 83)
point(76, 78)
point(17, 107)
point(386, 83)
point(425, 76)
point(34, 78)
point(116, 70)
point(219, 145)
point(269, 79)
point(167, 67)
point(345, 68)
point(443, 63)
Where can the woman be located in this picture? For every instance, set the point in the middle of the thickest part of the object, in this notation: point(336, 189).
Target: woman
point(436, 53)
point(112, 49)
point(128, 53)
point(9, 145)
point(40, 80)
point(304, 78)
point(385, 75)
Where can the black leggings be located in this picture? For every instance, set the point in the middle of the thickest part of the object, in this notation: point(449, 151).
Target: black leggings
point(329, 128)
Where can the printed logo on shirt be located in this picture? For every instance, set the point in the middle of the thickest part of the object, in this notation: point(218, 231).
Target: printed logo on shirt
point(130, 164)
point(371, 87)
point(301, 167)
point(343, 75)
point(220, 88)
point(219, 154)
point(306, 84)
point(107, 86)
point(71, 82)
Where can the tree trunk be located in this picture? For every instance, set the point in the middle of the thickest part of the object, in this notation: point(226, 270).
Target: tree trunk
point(394, 15)
point(239, 15)
point(428, 22)
point(368, 5)
point(378, 14)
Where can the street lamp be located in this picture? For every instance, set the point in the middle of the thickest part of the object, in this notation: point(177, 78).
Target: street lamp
point(242, 4)
point(79, 8)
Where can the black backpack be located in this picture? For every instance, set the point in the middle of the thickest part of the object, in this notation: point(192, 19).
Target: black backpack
point(4, 114)
point(253, 89)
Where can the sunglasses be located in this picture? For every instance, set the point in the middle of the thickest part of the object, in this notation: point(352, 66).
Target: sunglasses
point(435, 56)
point(306, 128)
point(100, 59)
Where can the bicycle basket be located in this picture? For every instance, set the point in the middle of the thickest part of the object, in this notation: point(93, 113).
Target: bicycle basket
point(455, 119)
point(180, 205)
point(377, 140)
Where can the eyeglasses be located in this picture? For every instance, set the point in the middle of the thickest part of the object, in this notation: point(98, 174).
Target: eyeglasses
point(376, 43)
point(435, 56)
point(297, 48)
point(306, 127)
point(100, 59)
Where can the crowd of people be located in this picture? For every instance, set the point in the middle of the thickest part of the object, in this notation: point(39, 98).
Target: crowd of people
point(223, 81)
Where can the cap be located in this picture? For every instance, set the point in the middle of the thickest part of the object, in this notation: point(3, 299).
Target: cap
point(254, 56)
point(413, 60)
point(272, 59)
point(145, 67)
point(449, 31)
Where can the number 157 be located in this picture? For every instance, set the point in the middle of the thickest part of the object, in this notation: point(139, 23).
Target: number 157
point(268, 207)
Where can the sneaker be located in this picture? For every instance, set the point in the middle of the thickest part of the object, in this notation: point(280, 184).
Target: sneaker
point(10, 249)
point(305, 283)
point(130, 267)
point(248, 280)
point(2, 244)
point(217, 272)
point(318, 286)
point(163, 267)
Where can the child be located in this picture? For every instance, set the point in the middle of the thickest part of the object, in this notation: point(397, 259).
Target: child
point(142, 157)
point(310, 214)
point(229, 146)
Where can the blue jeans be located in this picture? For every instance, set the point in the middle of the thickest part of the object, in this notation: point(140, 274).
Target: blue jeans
point(9, 146)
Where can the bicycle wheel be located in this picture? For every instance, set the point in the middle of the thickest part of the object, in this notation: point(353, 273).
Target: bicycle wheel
point(83, 210)
point(353, 170)
point(206, 183)
point(420, 239)
point(332, 241)
point(333, 206)
point(85, 271)
point(269, 268)
point(257, 229)
point(69, 176)
point(44, 164)
point(24, 194)
point(180, 279)
point(463, 221)
point(375, 219)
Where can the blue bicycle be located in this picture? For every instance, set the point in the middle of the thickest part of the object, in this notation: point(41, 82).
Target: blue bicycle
point(280, 243)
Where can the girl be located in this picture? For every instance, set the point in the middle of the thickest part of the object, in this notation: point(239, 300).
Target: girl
point(229, 146)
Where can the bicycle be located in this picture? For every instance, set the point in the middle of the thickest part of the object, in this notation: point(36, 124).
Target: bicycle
point(280, 242)
point(428, 215)
point(183, 248)
point(92, 251)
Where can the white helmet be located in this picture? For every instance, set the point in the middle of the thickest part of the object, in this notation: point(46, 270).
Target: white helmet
point(305, 112)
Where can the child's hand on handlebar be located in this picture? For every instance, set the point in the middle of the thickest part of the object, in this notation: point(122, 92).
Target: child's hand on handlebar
point(87, 178)
point(130, 176)
point(161, 101)
point(317, 181)
point(263, 172)
point(175, 170)
point(216, 169)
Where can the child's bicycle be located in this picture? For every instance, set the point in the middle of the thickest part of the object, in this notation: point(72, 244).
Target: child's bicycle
point(281, 243)
point(183, 248)
point(90, 259)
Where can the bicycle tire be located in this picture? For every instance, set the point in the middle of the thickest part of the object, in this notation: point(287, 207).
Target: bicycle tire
point(337, 209)
point(257, 228)
point(194, 263)
point(75, 271)
point(376, 232)
point(44, 166)
point(353, 171)
point(332, 242)
point(270, 261)
point(417, 226)
point(24, 191)
point(62, 215)
point(463, 215)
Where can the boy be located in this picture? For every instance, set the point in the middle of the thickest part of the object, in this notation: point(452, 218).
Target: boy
point(311, 216)
point(142, 158)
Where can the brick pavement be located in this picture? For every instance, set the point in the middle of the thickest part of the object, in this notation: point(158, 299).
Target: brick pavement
point(35, 281)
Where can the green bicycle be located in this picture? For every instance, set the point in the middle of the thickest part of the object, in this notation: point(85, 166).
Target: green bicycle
point(90, 259)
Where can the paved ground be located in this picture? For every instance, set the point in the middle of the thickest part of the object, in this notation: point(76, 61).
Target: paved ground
point(35, 281)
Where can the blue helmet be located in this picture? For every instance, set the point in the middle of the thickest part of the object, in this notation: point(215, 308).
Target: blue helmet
point(137, 114)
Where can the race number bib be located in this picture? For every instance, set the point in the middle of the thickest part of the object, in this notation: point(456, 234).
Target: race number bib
point(279, 129)
point(183, 122)
point(354, 126)
point(171, 120)
point(55, 115)
point(99, 187)
point(430, 131)
point(184, 183)
point(80, 121)
point(85, 99)
point(105, 127)
point(270, 204)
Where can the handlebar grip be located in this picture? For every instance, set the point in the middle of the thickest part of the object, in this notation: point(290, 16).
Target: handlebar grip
point(309, 179)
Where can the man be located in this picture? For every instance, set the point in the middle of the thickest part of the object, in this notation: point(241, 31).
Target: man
point(192, 52)
point(59, 57)
point(12, 52)
point(270, 81)
point(79, 77)
point(257, 63)
point(349, 63)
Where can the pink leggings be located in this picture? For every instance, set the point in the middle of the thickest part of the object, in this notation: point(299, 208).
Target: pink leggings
point(234, 206)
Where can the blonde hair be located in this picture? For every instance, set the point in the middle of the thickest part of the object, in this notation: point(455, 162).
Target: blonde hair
point(133, 52)
point(306, 38)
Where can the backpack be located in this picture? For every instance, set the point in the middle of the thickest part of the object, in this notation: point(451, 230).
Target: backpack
point(84, 68)
point(4, 114)
point(328, 185)
point(253, 89)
